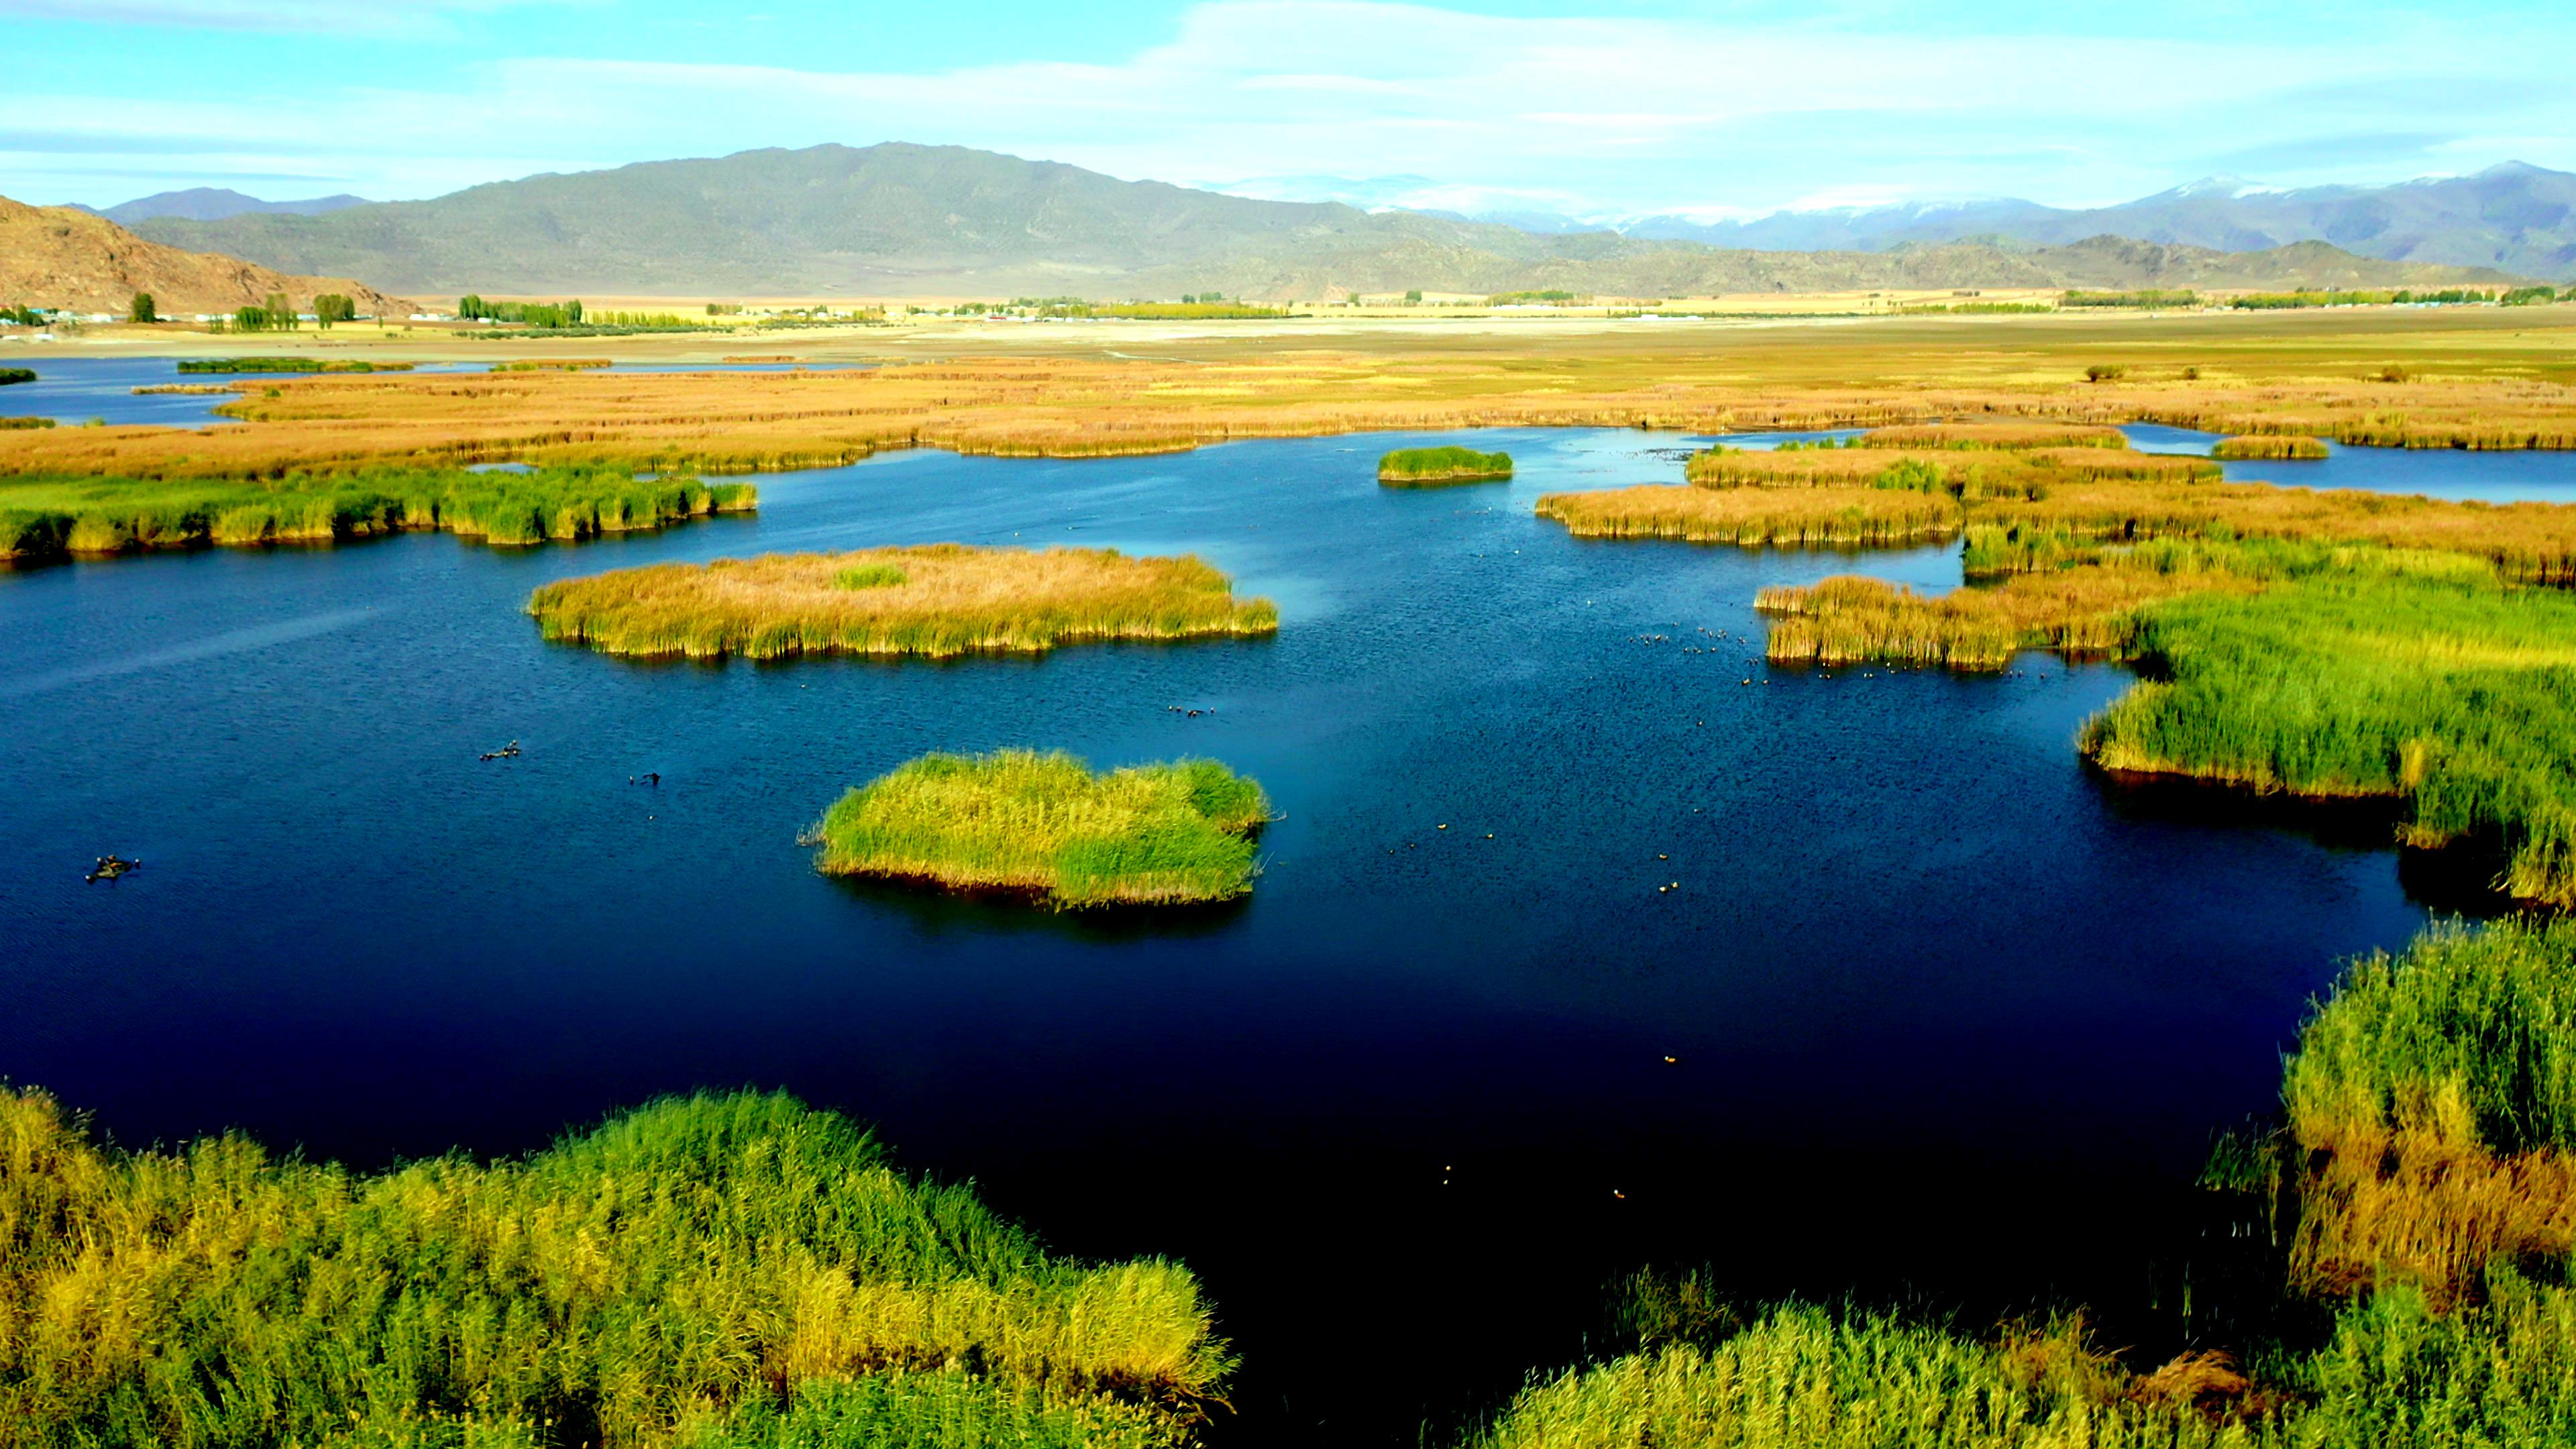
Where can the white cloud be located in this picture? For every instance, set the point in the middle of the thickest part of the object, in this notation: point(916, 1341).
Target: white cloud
point(1594, 115)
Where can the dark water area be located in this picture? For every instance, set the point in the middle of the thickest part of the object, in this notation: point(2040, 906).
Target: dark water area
point(1949, 1018)
point(2459, 474)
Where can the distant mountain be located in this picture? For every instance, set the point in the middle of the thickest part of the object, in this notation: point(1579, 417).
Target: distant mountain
point(213, 203)
point(55, 256)
point(2514, 217)
point(903, 220)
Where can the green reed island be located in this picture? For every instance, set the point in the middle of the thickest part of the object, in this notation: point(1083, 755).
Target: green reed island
point(2328, 644)
point(42, 517)
point(1426, 467)
point(9, 375)
point(937, 600)
point(1047, 825)
point(2270, 446)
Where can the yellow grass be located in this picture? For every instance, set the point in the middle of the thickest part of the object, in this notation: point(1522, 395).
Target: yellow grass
point(1756, 517)
point(937, 599)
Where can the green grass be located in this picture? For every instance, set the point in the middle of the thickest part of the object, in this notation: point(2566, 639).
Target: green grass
point(1410, 467)
point(9, 375)
point(289, 364)
point(2270, 445)
point(7, 423)
point(939, 600)
point(49, 517)
point(734, 1270)
point(2453, 692)
point(1046, 824)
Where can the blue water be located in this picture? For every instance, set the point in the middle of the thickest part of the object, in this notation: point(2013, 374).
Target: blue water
point(2453, 473)
point(1946, 1010)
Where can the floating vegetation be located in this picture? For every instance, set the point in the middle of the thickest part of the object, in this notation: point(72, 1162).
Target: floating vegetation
point(290, 364)
point(1045, 824)
point(2009, 434)
point(2269, 446)
point(711, 1271)
point(49, 517)
point(936, 599)
point(1420, 467)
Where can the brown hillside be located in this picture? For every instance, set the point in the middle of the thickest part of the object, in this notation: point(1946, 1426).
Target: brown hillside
point(52, 256)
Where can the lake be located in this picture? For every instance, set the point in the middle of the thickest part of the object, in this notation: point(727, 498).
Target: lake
point(1934, 1012)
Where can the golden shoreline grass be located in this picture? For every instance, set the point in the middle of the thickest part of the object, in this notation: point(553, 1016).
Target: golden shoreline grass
point(2469, 381)
point(1046, 825)
point(933, 600)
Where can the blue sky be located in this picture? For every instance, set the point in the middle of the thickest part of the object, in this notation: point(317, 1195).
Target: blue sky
point(1606, 109)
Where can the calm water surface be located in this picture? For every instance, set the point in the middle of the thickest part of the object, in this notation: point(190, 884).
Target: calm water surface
point(1947, 1014)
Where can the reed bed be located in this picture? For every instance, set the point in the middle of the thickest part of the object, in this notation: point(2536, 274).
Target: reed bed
point(1968, 476)
point(1820, 517)
point(2312, 376)
point(1048, 826)
point(2012, 435)
point(2455, 694)
point(50, 517)
point(939, 600)
point(192, 389)
point(2091, 612)
point(2432, 1108)
point(1431, 467)
point(2095, 465)
point(2269, 446)
point(25, 423)
point(701, 1270)
point(289, 364)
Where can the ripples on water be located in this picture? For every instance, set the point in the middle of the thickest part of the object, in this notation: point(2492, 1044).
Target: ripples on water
point(1946, 1013)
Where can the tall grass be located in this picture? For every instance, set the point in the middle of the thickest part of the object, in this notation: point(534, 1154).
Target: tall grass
point(936, 599)
point(45, 517)
point(2452, 692)
point(2269, 446)
point(2005, 434)
point(290, 364)
point(1757, 517)
point(1415, 467)
point(700, 1263)
point(1045, 823)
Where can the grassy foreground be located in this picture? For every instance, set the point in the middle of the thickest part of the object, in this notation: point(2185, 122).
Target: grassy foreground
point(731, 1272)
point(2424, 1188)
point(936, 599)
point(1017, 820)
point(49, 517)
point(1424, 467)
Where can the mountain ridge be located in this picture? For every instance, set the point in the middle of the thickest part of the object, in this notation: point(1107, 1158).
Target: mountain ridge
point(898, 219)
point(55, 256)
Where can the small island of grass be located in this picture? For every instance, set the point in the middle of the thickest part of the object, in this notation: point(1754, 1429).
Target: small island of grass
point(9, 375)
point(938, 599)
point(2270, 446)
point(1046, 824)
point(1425, 467)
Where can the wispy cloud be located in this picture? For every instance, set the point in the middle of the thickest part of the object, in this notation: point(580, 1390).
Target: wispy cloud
point(1587, 113)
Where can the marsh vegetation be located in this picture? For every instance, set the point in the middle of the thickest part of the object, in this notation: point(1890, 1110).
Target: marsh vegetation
point(44, 517)
point(1048, 826)
point(708, 1271)
point(935, 599)
point(2272, 446)
point(1430, 467)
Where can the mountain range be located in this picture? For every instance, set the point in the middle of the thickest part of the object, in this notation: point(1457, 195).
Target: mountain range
point(213, 203)
point(2514, 217)
point(905, 220)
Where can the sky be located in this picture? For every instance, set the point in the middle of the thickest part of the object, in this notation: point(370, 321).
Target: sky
point(1598, 110)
